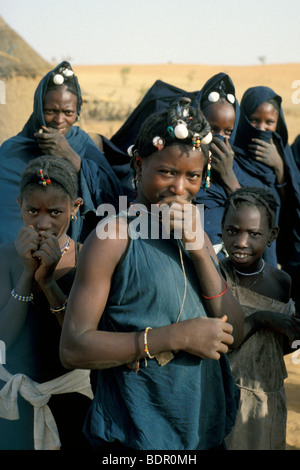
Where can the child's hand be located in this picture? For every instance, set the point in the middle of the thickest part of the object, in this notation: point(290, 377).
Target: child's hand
point(267, 154)
point(48, 256)
point(27, 243)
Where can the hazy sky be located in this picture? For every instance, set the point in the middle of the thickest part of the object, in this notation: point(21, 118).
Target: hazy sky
point(212, 32)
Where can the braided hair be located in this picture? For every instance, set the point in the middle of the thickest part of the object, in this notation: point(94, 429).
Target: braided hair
point(252, 196)
point(49, 170)
point(164, 125)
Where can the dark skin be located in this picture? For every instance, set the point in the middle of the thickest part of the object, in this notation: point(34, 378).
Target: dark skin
point(171, 177)
point(246, 232)
point(221, 117)
point(34, 261)
point(60, 113)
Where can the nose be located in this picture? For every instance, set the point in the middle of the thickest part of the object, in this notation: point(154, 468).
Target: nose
point(241, 240)
point(178, 186)
point(43, 223)
point(261, 126)
point(59, 117)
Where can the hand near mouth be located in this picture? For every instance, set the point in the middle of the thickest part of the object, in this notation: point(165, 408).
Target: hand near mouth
point(53, 142)
point(48, 254)
point(184, 220)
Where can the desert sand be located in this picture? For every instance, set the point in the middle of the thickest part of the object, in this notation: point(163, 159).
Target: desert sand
point(110, 92)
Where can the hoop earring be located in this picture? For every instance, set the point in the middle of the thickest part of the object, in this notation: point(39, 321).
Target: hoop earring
point(73, 218)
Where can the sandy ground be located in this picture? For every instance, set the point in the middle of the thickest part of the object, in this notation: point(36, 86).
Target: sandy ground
point(124, 86)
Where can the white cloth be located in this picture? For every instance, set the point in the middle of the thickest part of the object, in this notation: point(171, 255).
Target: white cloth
point(46, 435)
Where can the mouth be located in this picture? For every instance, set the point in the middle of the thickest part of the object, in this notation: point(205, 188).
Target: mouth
point(241, 256)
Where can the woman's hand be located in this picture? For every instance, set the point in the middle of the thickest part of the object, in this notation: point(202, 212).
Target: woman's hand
point(206, 337)
point(222, 157)
point(184, 220)
point(53, 142)
point(47, 255)
point(267, 154)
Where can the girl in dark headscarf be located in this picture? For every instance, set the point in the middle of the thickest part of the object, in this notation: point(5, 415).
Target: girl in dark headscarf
point(50, 130)
point(265, 159)
point(221, 109)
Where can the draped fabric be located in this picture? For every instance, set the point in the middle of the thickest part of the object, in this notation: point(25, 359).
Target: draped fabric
point(158, 98)
point(215, 196)
point(254, 173)
point(97, 181)
point(296, 150)
point(188, 403)
point(36, 391)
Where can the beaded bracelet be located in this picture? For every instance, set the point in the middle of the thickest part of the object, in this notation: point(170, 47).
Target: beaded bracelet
point(60, 309)
point(22, 298)
point(146, 343)
point(219, 295)
point(282, 185)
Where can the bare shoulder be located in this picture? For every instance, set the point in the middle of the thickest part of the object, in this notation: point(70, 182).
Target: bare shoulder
point(105, 246)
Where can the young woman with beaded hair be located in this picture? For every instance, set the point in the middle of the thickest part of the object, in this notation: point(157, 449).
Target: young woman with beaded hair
point(40, 407)
point(264, 292)
point(150, 314)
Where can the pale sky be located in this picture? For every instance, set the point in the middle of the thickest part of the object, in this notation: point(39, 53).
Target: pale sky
point(210, 32)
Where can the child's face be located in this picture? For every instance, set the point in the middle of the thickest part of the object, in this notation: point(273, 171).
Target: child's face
point(170, 172)
point(221, 118)
point(265, 117)
point(47, 209)
point(245, 233)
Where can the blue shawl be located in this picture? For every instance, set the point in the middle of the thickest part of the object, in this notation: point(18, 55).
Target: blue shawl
point(214, 197)
point(254, 173)
point(97, 181)
point(296, 150)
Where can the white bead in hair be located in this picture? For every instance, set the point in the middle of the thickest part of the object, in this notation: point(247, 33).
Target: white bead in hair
point(181, 130)
point(207, 139)
point(68, 73)
point(129, 150)
point(158, 142)
point(231, 98)
point(58, 79)
point(213, 97)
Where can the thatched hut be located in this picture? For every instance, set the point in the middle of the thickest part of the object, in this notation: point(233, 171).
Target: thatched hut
point(17, 58)
point(21, 68)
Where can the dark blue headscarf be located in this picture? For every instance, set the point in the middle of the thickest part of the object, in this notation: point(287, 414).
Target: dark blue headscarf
point(213, 84)
point(296, 150)
point(257, 174)
point(97, 181)
point(214, 197)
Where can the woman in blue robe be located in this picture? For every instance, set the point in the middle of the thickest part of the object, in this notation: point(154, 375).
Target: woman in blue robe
point(97, 180)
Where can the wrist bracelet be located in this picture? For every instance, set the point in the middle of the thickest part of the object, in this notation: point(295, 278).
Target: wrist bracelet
point(218, 295)
point(60, 309)
point(22, 298)
point(282, 185)
point(146, 342)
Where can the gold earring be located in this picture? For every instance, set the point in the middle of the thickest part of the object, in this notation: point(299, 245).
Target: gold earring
point(73, 218)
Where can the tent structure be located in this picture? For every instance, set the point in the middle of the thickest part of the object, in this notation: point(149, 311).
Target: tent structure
point(17, 58)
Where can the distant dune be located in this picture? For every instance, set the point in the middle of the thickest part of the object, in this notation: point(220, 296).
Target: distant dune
point(112, 91)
